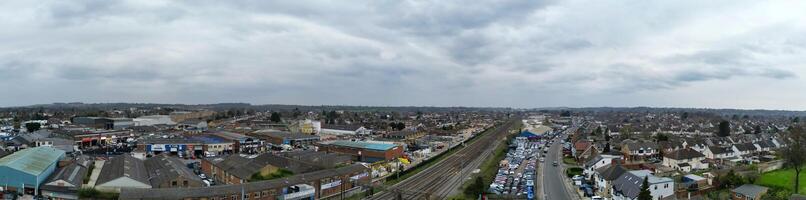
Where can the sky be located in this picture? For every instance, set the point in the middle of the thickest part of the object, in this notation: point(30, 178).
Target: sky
point(490, 53)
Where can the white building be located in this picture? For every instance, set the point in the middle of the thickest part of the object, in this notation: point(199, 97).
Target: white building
point(629, 185)
point(152, 120)
point(685, 160)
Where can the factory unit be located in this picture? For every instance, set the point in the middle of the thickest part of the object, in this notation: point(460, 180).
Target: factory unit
point(25, 170)
point(364, 151)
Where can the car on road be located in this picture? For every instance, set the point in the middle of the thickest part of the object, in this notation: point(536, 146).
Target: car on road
point(543, 159)
point(555, 163)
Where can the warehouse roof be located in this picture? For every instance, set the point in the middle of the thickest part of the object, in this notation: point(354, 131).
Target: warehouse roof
point(219, 190)
point(33, 161)
point(363, 145)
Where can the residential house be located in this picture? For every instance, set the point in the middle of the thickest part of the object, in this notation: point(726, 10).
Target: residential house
point(600, 161)
point(605, 177)
point(748, 192)
point(639, 150)
point(743, 149)
point(714, 152)
point(628, 185)
point(685, 160)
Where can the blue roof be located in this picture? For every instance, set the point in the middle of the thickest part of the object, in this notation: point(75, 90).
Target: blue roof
point(364, 145)
point(209, 139)
point(32, 161)
point(527, 133)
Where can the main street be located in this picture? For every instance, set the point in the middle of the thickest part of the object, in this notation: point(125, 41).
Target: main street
point(554, 187)
point(444, 178)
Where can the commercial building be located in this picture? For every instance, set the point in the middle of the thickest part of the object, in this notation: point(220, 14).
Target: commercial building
point(178, 146)
point(122, 171)
point(364, 151)
point(104, 122)
point(314, 185)
point(64, 184)
point(242, 143)
point(215, 145)
point(152, 120)
point(276, 137)
point(178, 116)
point(27, 169)
point(169, 172)
point(236, 169)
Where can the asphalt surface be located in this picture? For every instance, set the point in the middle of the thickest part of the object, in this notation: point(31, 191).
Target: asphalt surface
point(441, 180)
point(553, 182)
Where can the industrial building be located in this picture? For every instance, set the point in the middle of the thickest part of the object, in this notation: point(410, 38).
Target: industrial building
point(169, 172)
point(122, 171)
point(276, 137)
point(364, 151)
point(29, 168)
point(320, 184)
point(104, 122)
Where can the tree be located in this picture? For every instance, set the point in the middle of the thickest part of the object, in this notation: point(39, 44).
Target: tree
point(685, 115)
point(724, 129)
point(476, 188)
point(795, 152)
point(644, 194)
point(731, 180)
point(275, 117)
point(31, 127)
point(662, 137)
point(757, 129)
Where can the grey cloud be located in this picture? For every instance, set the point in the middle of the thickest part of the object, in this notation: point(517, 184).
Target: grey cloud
point(392, 52)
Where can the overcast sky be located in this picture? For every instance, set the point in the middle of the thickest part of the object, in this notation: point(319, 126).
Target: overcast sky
point(718, 54)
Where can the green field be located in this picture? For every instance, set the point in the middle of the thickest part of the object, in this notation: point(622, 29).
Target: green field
point(783, 179)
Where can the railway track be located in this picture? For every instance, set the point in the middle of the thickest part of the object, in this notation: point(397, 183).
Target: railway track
point(440, 180)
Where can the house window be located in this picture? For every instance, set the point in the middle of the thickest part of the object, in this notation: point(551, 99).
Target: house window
point(666, 186)
point(185, 183)
point(656, 187)
point(173, 183)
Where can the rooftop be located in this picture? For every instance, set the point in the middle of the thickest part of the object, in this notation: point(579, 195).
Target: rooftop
point(372, 145)
point(33, 161)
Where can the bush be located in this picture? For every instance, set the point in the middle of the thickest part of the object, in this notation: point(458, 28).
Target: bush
point(777, 193)
point(281, 173)
point(571, 172)
point(92, 193)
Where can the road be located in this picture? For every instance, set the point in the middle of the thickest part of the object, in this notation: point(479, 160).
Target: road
point(441, 180)
point(553, 181)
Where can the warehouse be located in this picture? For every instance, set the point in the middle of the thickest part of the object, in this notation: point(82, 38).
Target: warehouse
point(29, 168)
point(276, 137)
point(364, 151)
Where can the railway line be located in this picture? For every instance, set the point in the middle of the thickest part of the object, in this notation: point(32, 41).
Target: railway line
point(442, 179)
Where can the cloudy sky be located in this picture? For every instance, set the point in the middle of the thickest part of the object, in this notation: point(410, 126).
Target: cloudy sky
point(718, 54)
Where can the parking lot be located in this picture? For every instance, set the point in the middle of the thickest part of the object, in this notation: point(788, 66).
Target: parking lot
point(516, 173)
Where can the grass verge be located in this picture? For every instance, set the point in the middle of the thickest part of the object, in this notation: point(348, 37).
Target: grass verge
point(784, 178)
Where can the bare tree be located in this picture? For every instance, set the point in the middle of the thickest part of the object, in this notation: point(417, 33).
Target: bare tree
point(795, 152)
